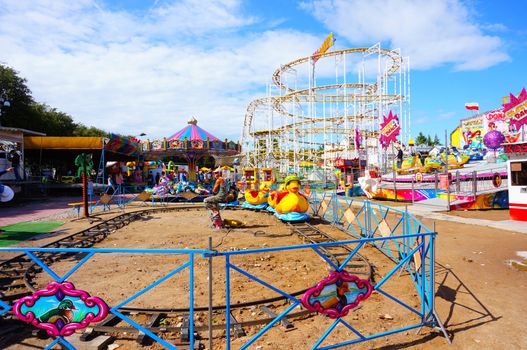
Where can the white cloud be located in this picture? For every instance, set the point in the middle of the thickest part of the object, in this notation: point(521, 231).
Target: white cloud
point(432, 33)
point(198, 17)
point(128, 74)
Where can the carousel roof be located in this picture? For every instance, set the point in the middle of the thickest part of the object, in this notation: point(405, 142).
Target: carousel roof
point(192, 132)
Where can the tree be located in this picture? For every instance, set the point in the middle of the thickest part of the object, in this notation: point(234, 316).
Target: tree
point(436, 140)
point(15, 90)
point(83, 130)
point(420, 139)
point(25, 113)
point(429, 141)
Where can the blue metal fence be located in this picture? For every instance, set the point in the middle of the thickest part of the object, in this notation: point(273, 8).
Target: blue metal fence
point(90, 253)
point(396, 233)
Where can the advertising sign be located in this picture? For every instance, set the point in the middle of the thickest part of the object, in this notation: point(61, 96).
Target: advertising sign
point(516, 109)
point(389, 130)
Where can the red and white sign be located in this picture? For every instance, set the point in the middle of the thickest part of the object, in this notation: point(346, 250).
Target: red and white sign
point(516, 148)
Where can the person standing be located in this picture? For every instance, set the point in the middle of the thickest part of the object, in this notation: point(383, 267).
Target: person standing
point(14, 158)
point(399, 157)
point(111, 184)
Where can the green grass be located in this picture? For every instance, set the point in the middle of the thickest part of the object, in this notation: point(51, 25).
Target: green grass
point(12, 234)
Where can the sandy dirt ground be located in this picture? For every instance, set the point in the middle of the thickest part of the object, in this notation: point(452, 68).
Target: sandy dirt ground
point(480, 296)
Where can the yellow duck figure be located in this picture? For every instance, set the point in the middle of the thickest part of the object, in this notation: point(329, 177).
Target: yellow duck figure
point(255, 197)
point(272, 200)
point(292, 200)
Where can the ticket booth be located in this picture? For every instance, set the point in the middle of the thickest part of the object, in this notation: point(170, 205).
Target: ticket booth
point(350, 170)
point(517, 179)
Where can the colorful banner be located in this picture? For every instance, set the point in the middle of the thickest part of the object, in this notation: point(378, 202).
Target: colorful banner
point(357, 138)
point(497, 120)
point(472, 130)
point(323, 48)
point(389, 130)
point(516, 109)
point(123, 145)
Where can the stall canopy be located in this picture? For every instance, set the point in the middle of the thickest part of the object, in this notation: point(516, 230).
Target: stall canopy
point(63, 143)
point(116, 144)
point(61, 151)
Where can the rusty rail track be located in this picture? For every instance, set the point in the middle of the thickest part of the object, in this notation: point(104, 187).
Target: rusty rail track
point(18, 273)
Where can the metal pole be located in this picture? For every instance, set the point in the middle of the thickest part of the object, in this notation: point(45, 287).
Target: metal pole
point(394, 179)
point(210, 295)
point(446, 173)
point(435, 181)
point(474, 183)
point(432, 266)
point(412, 191)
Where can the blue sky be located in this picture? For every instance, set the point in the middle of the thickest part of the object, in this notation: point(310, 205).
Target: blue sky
point(148, 66)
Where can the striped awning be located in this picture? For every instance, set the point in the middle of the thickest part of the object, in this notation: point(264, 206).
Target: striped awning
point(192, 132)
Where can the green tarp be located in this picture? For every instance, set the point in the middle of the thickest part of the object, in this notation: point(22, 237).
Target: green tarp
point(12, 234)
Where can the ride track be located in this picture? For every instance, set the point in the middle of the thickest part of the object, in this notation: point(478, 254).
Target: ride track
point(361, 105)
point(18, 273)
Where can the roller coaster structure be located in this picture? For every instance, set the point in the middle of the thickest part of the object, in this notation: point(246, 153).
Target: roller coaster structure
point(313, 112)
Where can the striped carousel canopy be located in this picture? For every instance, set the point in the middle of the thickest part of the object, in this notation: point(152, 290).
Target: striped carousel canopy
point(192, 132)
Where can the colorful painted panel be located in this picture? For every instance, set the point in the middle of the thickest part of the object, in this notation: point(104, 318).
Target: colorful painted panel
point(177, 144)
point(497, 120)
point(123, 145)
point(495, 200)
point(472, 131)
point(60, 309)
point(337, 294)
point(403, 194)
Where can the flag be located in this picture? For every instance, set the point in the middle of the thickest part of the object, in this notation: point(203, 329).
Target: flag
point(357, 138)
point(473, 106)
point(323, 48)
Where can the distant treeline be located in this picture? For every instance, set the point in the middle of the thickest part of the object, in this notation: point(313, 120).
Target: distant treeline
point(24, 112)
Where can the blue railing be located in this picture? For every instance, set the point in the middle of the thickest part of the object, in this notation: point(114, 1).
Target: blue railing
point(396, 233)
point(424, 286)
point(89, 254)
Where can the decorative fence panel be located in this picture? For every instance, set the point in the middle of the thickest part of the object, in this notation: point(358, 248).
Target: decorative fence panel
point(402, 238)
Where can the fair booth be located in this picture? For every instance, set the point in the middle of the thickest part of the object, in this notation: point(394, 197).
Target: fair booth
point(517, 179)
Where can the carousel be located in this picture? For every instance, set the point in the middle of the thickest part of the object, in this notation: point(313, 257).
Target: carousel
point(192, 143)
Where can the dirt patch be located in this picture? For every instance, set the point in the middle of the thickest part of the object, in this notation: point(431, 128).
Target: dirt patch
point(114, 277)
point(480, 295)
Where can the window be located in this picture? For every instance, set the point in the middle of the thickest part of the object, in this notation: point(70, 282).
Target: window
point(519, 173)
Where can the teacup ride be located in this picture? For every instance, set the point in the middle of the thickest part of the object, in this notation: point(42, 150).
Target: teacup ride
point(453, 161)
point(432, 164)
point(292, 205)
point(410, 165)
